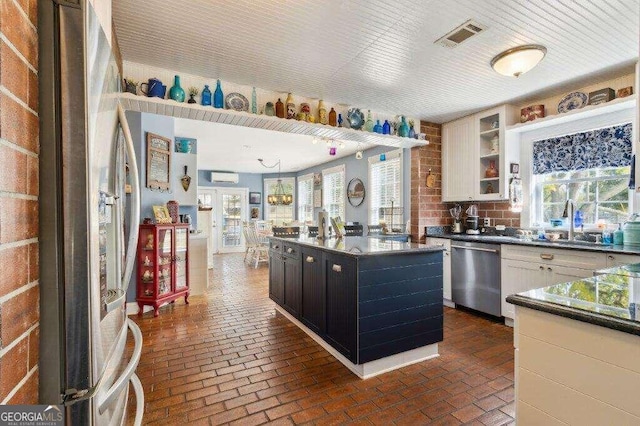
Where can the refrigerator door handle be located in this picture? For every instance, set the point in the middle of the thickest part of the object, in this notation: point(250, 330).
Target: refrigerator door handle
point(119, 384)
point(137, 387)
point(134, 216)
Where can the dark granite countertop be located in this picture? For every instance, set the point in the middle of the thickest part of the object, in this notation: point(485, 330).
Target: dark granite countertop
point(611, 301)
point(361, 246)
point(573, 245)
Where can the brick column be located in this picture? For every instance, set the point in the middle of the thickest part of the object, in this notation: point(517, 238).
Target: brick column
point(19, 146)
point(426, 203)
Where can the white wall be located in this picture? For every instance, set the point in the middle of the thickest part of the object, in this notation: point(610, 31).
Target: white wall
point(103, 10)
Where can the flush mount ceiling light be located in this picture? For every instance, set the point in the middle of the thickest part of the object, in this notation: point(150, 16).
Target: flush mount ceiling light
point(517, 61)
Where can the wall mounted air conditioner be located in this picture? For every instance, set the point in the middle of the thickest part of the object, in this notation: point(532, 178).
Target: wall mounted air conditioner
point(224, 177)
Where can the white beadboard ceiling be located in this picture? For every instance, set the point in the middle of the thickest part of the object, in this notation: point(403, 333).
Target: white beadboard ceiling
point(224, 147)
point(380, 54)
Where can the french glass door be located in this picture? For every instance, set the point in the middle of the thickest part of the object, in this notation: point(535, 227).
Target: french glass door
point(229, 208)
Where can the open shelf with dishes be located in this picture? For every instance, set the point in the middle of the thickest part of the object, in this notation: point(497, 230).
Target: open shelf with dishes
point(163, 265)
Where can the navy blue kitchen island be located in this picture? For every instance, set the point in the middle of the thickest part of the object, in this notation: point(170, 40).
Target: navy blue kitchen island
point(375, 305)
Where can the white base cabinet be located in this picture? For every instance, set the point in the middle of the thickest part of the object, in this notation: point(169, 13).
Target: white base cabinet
point(616, 259)
point(526, 268)
point(575, 373)
point(446, 267)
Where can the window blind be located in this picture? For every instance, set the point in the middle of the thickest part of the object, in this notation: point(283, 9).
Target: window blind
point(305, 198)
point(608, 147)
point(333, 192)
point(385, 184)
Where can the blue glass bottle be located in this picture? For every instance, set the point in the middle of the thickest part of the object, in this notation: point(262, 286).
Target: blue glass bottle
point(218, 97)
point(206, 95)
point(386, 128)
point(176, 92)
point(378, 127)
point(578, 219)
point(339, 120)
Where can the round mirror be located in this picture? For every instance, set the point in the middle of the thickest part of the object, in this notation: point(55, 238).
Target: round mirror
point(355, 192)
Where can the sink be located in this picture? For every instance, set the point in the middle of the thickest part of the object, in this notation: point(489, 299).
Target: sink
point(581, 243)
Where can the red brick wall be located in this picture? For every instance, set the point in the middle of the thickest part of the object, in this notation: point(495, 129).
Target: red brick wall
point(427, 208)
point(19, 293)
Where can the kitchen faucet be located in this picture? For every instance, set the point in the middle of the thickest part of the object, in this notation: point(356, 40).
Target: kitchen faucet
point(569, 207)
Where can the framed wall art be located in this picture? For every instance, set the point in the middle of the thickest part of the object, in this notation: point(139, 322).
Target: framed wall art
point(158, 162)
point(255, 198)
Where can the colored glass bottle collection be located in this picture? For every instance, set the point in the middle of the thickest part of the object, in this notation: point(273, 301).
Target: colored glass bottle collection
point(286, 109)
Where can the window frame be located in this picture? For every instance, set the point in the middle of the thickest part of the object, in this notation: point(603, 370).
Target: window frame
point(266, 182)
point(538, 202)
point(341, 169)
point(304, 178)
point(375, 159)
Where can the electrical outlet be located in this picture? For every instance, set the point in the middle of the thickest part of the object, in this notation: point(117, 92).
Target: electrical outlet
point(487, 221)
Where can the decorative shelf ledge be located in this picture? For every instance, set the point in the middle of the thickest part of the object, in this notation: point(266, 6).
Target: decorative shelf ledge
point(489, 132)
point(489, 179)
point(589, 111)
point(493, 155)
point(171, 108)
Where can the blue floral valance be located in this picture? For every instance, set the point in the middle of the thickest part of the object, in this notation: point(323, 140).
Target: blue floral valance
point(608, 147)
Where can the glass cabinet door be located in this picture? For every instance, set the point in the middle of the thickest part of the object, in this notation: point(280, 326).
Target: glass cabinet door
point(231, 220)
point(181, 258)
point(147, 266)
point(164, 260)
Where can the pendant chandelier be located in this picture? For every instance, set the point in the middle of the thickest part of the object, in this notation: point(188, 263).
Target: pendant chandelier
point(279, 197)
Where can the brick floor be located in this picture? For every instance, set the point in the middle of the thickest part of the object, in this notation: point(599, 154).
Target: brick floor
point(228, 357)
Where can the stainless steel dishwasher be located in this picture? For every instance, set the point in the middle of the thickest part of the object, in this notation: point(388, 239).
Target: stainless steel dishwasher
point(475, 276)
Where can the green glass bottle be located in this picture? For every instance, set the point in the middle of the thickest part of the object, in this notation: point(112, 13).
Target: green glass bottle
point(176, 92)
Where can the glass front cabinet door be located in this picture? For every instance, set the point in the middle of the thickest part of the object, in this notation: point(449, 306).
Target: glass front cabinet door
point(163, 259)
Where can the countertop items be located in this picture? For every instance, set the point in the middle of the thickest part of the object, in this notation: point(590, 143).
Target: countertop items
point(610, 301)
point(560, 244)
point(359, 246)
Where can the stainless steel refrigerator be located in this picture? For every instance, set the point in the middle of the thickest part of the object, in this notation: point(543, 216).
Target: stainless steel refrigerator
point(86, 257)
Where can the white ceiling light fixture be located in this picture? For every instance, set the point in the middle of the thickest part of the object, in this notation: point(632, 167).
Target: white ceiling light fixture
point(518, 60)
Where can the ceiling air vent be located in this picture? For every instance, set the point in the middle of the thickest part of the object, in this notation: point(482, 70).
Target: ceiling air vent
point(461, 34)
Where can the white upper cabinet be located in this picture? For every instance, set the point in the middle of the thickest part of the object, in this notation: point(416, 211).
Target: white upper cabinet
point(476, 156)
point(458, 160)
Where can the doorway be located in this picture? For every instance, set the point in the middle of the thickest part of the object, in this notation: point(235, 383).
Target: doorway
point(223, 224)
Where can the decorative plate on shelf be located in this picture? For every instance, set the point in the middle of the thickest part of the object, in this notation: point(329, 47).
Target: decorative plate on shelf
point(574, 100)
point(236, 101)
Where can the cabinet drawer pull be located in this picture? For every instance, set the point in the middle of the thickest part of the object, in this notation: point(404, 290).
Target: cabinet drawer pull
point(541, 267)
point(337, 268)
point(546, 256)
point(446, 253)
point(549, 269)
point(289, 250)
point(310, 259)
point(611, 257)
point(276, 247)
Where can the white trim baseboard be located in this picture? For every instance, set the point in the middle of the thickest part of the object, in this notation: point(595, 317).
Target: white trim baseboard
point(372, 368)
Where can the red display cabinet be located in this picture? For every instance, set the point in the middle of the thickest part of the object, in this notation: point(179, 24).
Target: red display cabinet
point(163, 265)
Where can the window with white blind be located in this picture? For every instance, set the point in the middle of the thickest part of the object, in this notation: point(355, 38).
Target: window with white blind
point(333, 191)
point(385, 183)
point(279, 215)
point(305, 198)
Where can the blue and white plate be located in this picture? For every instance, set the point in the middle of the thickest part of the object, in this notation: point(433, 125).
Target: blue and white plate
point(237, 102)
point(574, 100)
